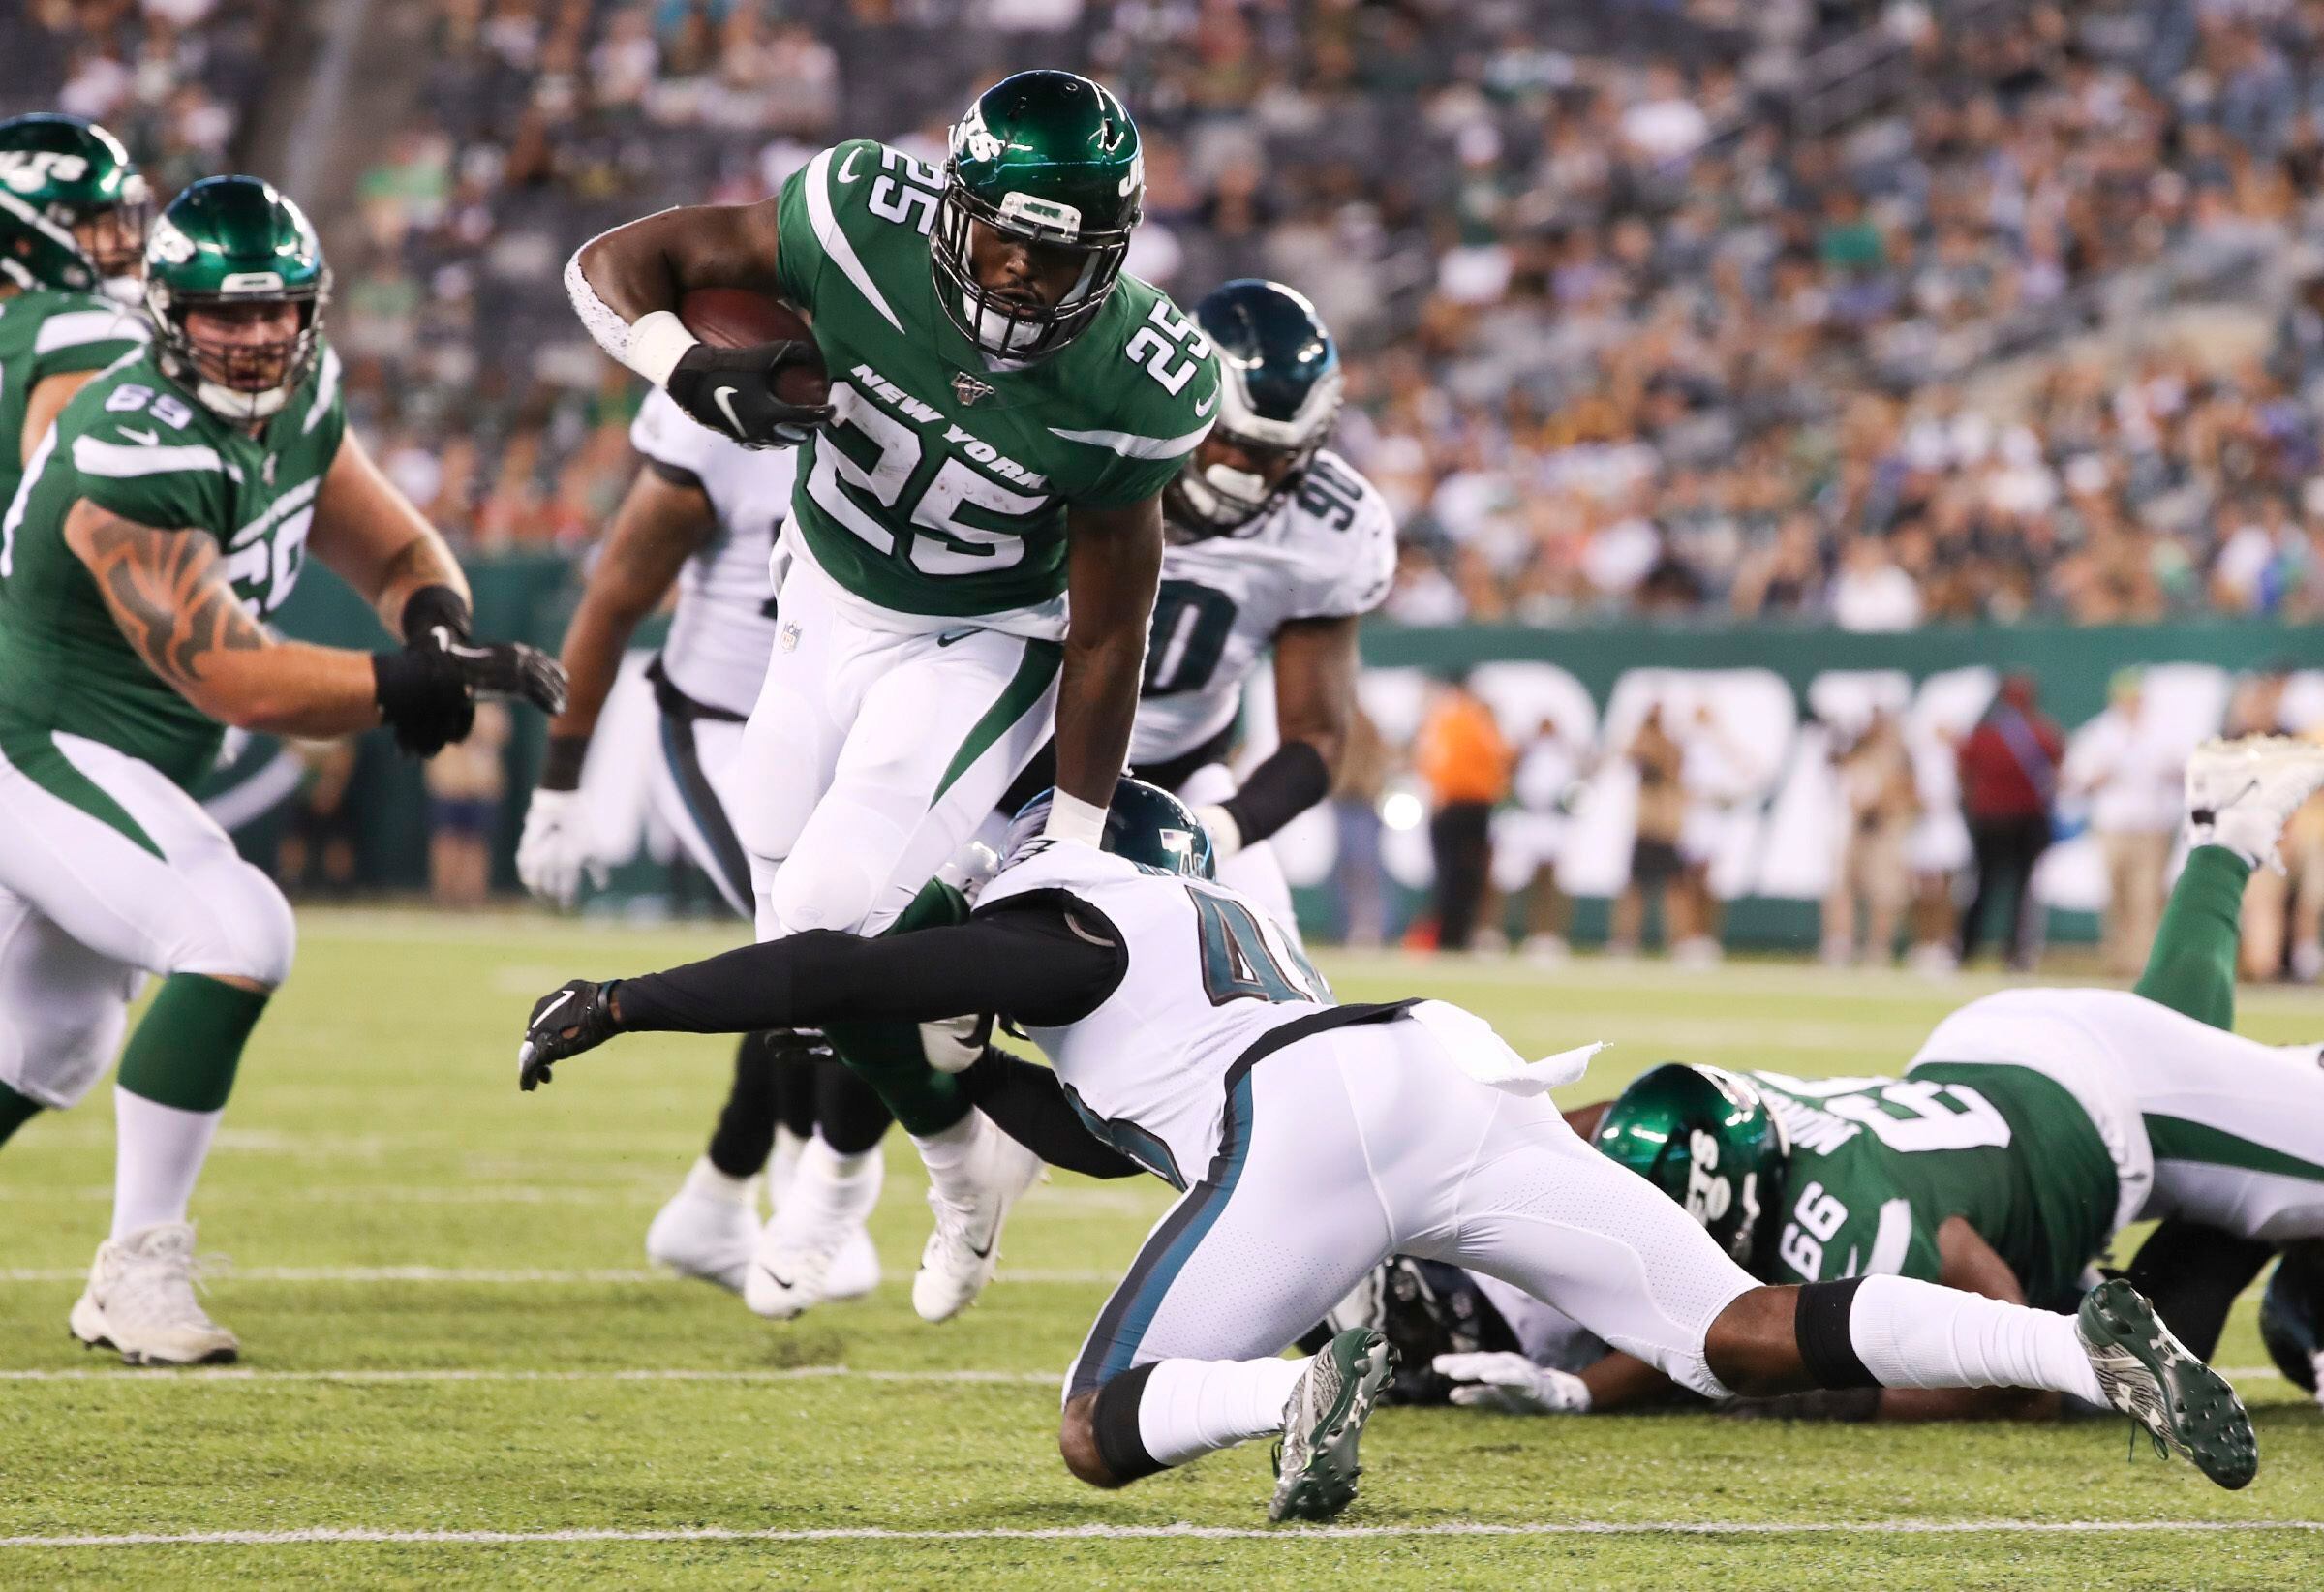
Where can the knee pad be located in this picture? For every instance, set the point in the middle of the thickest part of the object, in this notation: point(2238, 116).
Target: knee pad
point(817, 890)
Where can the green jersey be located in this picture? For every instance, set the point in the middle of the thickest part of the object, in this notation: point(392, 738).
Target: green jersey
point(940, 490)
point(1878, 1165)
point(133, 444)
point(45, 332)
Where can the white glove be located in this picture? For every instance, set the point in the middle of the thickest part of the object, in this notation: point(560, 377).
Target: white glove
point(557, 847)
point(1226, 835)
point(952, 1044)
point(1513, 1385)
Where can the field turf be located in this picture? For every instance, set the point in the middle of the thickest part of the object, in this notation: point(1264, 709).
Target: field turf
point(457, 1372)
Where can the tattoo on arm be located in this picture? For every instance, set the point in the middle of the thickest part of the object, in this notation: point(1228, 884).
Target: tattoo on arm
point(170, 594)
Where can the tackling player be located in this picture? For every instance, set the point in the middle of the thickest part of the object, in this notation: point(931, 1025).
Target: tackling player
point(73, 216)
point(1005, 409)
point(1311, 1141)
point(706, 513)
point(172, 506)
point(2029, 1128)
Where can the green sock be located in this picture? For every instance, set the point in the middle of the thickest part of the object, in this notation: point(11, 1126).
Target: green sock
point(14, 1112)
point(189, 1041)
point(2192, 968)
point(889, 1057)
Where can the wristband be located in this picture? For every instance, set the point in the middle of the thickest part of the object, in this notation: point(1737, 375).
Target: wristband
point(657, 341)
point(434, 605)
point(561, 763)
point(1070, 818)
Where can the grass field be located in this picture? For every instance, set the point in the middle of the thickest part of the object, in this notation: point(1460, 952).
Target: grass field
point(457, 1373)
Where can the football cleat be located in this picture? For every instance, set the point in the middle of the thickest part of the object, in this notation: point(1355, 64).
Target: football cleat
point(141, 1301)
point(964, 1250)
point(797, 1264)
point(1315, 1462)
point(2240, 794)
point(2149, 1375)
point(708, 1228)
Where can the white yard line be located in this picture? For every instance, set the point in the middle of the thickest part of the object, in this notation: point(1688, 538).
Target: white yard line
point(229, 1274)
point(1082, 1533)
point(245, 1375)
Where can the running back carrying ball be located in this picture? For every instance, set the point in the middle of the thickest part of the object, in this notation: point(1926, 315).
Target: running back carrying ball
point(756, 375)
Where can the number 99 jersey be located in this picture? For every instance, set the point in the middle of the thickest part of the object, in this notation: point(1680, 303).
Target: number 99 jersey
point(1327, 551)
point(1876, 1165)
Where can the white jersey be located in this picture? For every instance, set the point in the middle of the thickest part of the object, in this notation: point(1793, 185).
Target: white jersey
point(1328, 551)
point(723, 631)
point(1208, 974)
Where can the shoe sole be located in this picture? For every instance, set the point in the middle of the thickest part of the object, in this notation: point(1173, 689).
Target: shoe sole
point(1324, 1483)
point(225, 1355)
point(2149, 1375)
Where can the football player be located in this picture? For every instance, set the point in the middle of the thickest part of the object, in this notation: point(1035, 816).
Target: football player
point(706, 513)
point(1005, 409)
point(73, 216)
point(2029, 1128)
point(1312, 1139)
point(167, 510)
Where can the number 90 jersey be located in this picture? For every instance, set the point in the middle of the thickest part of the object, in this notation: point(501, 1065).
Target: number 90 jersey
point(136, 444)
point(1878, 1165)
point(938, 491)
point(1204, 974)
point(1327, 551)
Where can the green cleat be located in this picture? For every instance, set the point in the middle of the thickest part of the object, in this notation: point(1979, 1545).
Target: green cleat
point(2149, 1375)
point(1315, 1463)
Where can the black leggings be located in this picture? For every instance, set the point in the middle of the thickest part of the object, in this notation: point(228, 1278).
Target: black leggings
point(2005, 850)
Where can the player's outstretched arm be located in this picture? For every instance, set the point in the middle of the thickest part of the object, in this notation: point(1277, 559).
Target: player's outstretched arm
point(1315, 710)
point(665, 518)
point(1114, 565)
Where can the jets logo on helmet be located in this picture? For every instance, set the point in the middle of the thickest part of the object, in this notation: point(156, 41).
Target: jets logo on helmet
point(72, 206)
point(1279, 394)
point(1707, 1138)
point(29, 170)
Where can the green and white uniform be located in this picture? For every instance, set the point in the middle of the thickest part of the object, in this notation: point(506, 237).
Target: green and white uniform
point(113, 867)
point(919, 617)
point(47, 332)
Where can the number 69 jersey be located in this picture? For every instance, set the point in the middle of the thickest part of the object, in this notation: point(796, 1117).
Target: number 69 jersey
point(1876, 1165)
point(1327, 551)
point(132, 443)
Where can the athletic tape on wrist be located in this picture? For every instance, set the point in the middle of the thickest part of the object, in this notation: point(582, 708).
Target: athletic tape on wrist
point(657, 341)
point(1070, 818)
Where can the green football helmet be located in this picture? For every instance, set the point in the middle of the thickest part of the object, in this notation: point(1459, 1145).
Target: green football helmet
point(227, 242)
point(72, 206)
point(1277, 405)
point(1054, 158)
point(1144, 823)
point(1707, 1138)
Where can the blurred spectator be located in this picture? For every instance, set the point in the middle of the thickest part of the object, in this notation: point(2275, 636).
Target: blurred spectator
point(1655, 865)
point(2130, 769)
point(1360, 882)
point(466, 783)
point(317, 855)
point(2009, 767)
point(1548, 774)
point(1879, 802)
point(1462, 756)
point(1717, 773)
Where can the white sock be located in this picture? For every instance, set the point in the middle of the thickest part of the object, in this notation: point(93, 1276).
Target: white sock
point(945, 1153)
point(836, 1187)
point(782, 1163)
point(157, 1159)
point(1917, 1334)
point(708, 1181)
point(1193, 1407)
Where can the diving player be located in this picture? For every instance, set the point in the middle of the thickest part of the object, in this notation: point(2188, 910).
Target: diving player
point(2030, 1127)
point(1005, 409)
point(1312, 1139)
point(706, 513)
point(169, 508)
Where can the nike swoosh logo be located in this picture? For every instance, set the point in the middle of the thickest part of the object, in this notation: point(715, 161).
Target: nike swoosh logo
point(1203, 407)
point(780, 1281)
point(951, 636)
point(985, 1253)
point(149, 437)
point(561, 999)
point(723, 397)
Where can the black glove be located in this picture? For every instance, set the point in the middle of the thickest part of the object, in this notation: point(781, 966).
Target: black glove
point(427, 692)
point(501, 669)
point(732, 392)
point(432, 606)
point(576, 1017)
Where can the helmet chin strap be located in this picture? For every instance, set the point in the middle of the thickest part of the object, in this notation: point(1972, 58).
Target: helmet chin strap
point(236, 403)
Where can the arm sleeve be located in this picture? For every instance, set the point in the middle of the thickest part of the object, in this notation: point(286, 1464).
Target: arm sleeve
point(1293, 779)
point(1026, 961)
point(1028, 1102)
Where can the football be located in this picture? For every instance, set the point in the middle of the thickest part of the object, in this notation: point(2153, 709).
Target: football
point(736, 318)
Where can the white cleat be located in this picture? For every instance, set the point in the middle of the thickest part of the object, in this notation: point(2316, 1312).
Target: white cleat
point(816, 1248)
point(709, 1228)
point(964, 1250)
point(2240, 794)
point(141, 1301)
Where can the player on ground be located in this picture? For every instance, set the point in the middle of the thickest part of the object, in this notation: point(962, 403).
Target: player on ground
point(704, 513)
point(1312, 1141)
point(2030, 1127)
point(73, 217)
point(171, 507)
point(1005, 409)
